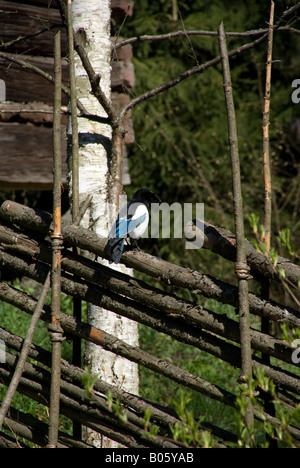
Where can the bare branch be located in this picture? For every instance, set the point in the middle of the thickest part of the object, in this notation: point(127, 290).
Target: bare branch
point(266, 144)
point(241, 266)
point(204, 66)
point(172, 35)
point(185, 75)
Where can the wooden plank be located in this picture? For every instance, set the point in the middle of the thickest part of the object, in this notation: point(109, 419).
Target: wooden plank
point(122, 75)
point(118, 7)
point(123, 53)
point(32, 27)
point(26, 157)
point(26, 149)
point(121, 8)
point(36, 113)
point(24, 85)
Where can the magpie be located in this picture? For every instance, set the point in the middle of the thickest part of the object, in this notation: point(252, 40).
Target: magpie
point(132, 222)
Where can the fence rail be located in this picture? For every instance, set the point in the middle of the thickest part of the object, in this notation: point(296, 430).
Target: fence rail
point(24, 251)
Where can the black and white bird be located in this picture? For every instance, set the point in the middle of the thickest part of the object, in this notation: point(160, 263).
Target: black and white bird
point(132, 222)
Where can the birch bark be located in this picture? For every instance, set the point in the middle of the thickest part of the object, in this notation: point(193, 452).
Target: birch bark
point(92, 19)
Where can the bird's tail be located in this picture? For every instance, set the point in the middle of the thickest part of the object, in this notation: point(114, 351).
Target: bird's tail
point(114, 249)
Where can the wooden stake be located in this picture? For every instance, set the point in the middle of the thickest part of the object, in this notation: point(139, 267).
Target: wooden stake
point(76, 356)
point(241, 267)
point(55, 330)
point(266, 142)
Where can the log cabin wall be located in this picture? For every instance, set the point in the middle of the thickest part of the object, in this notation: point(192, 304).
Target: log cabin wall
point(27, 33)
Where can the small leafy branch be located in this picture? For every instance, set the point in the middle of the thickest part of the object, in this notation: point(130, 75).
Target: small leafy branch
point(284, 239)
point(88, 381)
point(117, 408)
point(256, 388)
point(188, 432)
point(150, 428)
point(271, 254)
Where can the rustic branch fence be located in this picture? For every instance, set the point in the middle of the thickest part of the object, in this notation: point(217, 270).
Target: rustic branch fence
point(26, 253)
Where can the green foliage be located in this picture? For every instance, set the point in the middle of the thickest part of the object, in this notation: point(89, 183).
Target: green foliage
point(285, 241)
point(272, 254)
point(88, 381)
point(188, 432)
point(181, 148)
point(17, 322)
point(253, 391)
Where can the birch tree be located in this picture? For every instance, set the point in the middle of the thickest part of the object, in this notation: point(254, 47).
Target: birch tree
point(91, 20)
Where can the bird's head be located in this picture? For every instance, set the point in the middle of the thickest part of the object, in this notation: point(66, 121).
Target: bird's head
point(145, 196)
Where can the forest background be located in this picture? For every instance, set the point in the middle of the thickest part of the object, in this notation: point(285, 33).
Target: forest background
point(181, 153)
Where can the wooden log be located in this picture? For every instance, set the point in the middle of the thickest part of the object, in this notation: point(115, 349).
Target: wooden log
point(24, 85)
point(211, 390)
point(122, 53)
point(73, 408)
point(75, 374)
point(223, 242)
point(122, 75)
point(113, 344)
point(37, 113)
point(151, 298)
point(154, 298)
point(122, 8)
point(137, 289)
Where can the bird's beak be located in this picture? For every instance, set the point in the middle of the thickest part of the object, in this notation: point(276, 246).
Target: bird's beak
point(155, 199)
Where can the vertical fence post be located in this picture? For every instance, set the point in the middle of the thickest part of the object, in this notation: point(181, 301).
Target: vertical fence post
point(74, 125)
point(55, 330)
point(76, 357)
point(266, 142)
point(241, 267)
point(265, 284)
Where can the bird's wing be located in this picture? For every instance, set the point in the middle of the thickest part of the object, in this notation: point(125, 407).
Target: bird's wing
point(123, 226)
point(135, 222)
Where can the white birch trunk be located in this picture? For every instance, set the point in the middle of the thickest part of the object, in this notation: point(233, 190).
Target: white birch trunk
point(93, 16)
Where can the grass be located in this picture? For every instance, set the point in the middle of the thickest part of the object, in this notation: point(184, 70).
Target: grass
point(199, 363)
point(17, 322)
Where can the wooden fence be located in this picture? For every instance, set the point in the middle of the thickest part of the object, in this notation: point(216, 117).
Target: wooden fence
point(24, 251)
